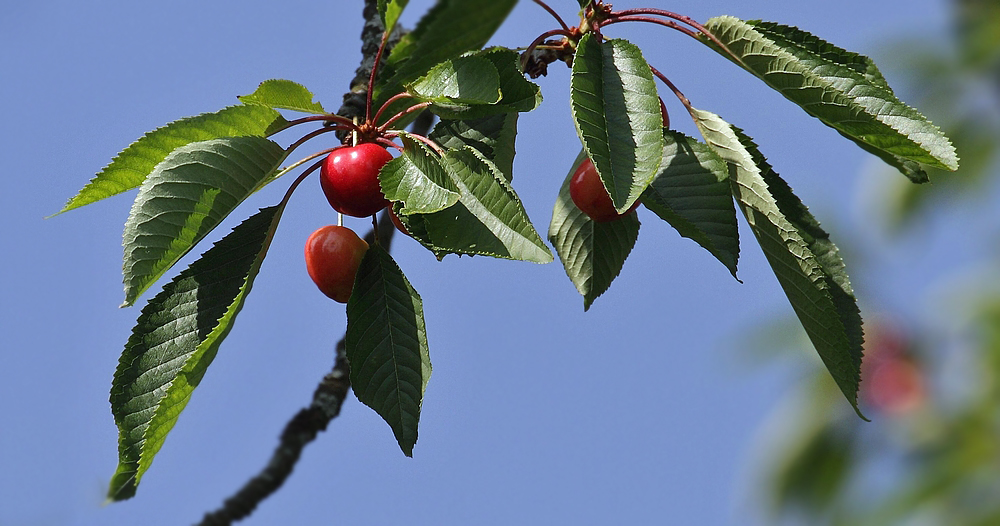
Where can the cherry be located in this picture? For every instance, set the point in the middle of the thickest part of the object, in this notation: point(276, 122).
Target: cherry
point(397, 223)
point(589, 195)
point(333, 254)
point(663, 113)
point(349, 178)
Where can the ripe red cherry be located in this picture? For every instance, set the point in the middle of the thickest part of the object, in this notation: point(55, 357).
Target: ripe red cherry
point(398, 224)
point(589, 195)
point(333, 254)
point(349, 178)
point(663, 113)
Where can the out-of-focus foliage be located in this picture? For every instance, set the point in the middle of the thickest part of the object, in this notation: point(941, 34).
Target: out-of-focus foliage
point(932, 454)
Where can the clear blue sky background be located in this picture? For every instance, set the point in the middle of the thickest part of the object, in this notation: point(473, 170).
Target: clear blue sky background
point(640, 411)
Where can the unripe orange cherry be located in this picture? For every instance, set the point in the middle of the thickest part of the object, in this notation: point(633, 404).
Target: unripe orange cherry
point(349, 177)
point(589, 195)
point(333, 255)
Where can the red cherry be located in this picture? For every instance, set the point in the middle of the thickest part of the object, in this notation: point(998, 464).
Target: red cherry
point(589, 195)
point(333, 254)
point(349, 178)
point(663, 113)
point(395, 221)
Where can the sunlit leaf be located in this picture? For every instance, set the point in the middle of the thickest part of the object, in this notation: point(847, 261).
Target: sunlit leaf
point(805, 262)
point(466, 79)
point(175, 340)
point(592, 252)
point(389, 11)
point(842, 89)
point(617, 115)
point(284, 94)
point(692, 193)
point(131, 167)
point(387, 345)
point(186, 196)
point(418, 180)
point(518, 94)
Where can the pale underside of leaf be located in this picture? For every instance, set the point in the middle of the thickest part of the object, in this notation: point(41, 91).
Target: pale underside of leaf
point(387, 345)
point(131, 167)
point(186, 196)
point(842, 89)
point(491, 136)
point(592, 253)
point(284, 94)
point(617, 116)
point(693, 194)
point(518, 94)
point(811, 284)
point(175, 339)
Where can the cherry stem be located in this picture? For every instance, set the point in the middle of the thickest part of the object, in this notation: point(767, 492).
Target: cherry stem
point(396, 117)
point(371, 79)
point(312, 134)
point(681, 18)
point(541, 38)
point(386, 104)
point(553, 13)
point(343, 121)
point(433, 145)
point(680, 96)
point(299, 179)
point(666, 23)
point(388, 144)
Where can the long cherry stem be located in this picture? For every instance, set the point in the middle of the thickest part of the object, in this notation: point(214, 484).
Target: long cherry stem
point(433, 145)
point(553, 13)
point(299, 179)
point(396, 117)
point(314, 133)
point(681, 18)
point(371, 79)
point(387, 103)
point(666, 23)
point(680, 96)
point(343, 121)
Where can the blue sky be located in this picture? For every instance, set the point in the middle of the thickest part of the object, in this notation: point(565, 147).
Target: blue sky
point(640, 411)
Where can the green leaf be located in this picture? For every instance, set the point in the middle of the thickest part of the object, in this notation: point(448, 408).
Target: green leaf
point(449, 29)
point(389, 11)
point(387, 345)
point(617, 115)
point(131, 167)
point(175, 340)
point(488, 219)
point(185, 197)
point(518, 93)
point(418, 180)
point(284, 94)
point(491, 136)
point(592, 253)
point(692, 193)
point(466, 79)
point(844, 90)
point(805, 262)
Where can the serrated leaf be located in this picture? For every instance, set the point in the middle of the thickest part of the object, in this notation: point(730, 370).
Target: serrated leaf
point(387, 345)
point(592, 253)
point(617, 115)
point(447, 30)
point(418, 180)
point(175, 340)
point(491, 136)
point(488, 219)
point(131, 167)
point(806, 264)
point(693, 194)
point(518, 94)
point(466, 79)
point(186, 196)
point(389, 11)
point(284, 94)
point(844, 90)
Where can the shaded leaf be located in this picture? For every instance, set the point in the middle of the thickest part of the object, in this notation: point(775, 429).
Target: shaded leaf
point(617, 115)
point(284, 94)
point(842, 89)
point(387, 345)
point(466, 79)
point(175, 340)
point(592, 253)
point(491, 136)
point(692, 193)
point(130, 167)
point(418, 180)
point(185, 197)
point(806, 264)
